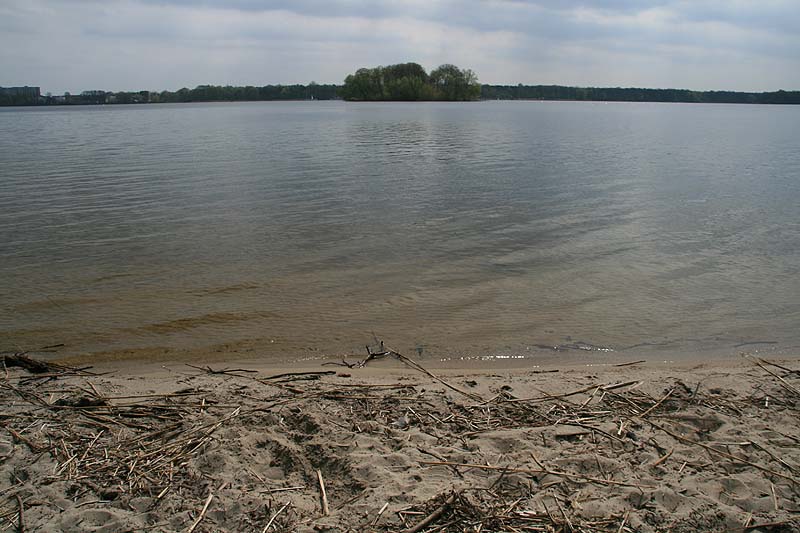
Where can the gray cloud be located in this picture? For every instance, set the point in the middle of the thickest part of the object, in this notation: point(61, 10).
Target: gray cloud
point(156, 44)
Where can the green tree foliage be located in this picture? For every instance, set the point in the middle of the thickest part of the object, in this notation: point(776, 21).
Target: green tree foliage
point(410, 82)
point(218, 93)
point(618, 94)
point(406, 81)
point(453, 83)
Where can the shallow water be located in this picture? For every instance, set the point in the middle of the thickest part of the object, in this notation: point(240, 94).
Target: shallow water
point(457, 230)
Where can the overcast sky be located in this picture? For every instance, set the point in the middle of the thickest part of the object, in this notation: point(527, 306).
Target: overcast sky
point(72, 45)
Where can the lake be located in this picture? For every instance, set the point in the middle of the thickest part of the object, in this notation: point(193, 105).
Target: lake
point(452, 230)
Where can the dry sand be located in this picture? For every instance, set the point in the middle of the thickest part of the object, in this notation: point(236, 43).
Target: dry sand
point(644, 447)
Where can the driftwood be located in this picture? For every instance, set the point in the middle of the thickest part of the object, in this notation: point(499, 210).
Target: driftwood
point(384, 352)
point(232, 371)
point(34, 366)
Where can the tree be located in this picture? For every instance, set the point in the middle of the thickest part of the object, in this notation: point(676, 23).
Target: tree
point(409, 81)
point(453, 83)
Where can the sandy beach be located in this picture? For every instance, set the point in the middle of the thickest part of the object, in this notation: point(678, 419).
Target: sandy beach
point(394, 446)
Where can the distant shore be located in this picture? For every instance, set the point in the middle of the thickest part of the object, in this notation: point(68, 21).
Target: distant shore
point(31, 96)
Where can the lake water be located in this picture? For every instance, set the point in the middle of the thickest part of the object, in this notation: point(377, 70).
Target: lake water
point(459, 230)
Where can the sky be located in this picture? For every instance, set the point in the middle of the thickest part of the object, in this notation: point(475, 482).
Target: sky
point(74, 45)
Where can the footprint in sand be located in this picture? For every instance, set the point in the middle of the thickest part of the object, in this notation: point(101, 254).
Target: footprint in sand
point(741, 494)
point(94, 520)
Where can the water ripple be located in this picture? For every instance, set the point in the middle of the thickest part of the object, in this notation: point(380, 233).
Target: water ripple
point(471, 229)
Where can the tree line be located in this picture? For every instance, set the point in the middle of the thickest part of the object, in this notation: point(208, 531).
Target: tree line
point(201, 93)
point(618, 94)
point(216, 93)
point(410, 82)
point(407, 82)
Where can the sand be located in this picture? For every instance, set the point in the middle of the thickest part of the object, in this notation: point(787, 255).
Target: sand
point(173, 448)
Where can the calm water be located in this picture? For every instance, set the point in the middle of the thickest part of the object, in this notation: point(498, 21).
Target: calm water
point(298, 229)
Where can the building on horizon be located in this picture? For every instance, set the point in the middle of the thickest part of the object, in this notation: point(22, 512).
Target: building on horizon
point(20, 95)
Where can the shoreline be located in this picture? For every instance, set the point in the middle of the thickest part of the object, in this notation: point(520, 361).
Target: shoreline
point(243, 446)
point(261, 357)
point(410, 102)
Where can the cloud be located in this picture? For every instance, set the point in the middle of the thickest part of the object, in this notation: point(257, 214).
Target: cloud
point(155, 44)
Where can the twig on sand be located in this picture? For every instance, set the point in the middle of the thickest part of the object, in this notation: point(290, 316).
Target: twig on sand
point(631, 363)
point(229, 371)
point(767, 525)
point(659, 402)
point(337, 363)
point(285, 489)
point(21, 515)
point(413, 364)
point(776, 365)
point(299, 375)
point(416, 366)
point(271, 520)
point(774, 496)
point(324, 495)
point(35, 448)
point(624, 519)
point(202, 512)
point(786, 385)
point(724, 454)
point(663, 457)
point(422, 524)
point(380, 514)
point(549, 397)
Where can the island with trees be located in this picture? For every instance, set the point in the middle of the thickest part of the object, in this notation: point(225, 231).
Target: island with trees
point(409, 82)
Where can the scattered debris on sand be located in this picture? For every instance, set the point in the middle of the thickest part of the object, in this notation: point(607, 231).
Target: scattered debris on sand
point(629, 448)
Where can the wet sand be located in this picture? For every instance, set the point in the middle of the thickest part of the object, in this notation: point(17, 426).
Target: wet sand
point(240, 446)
